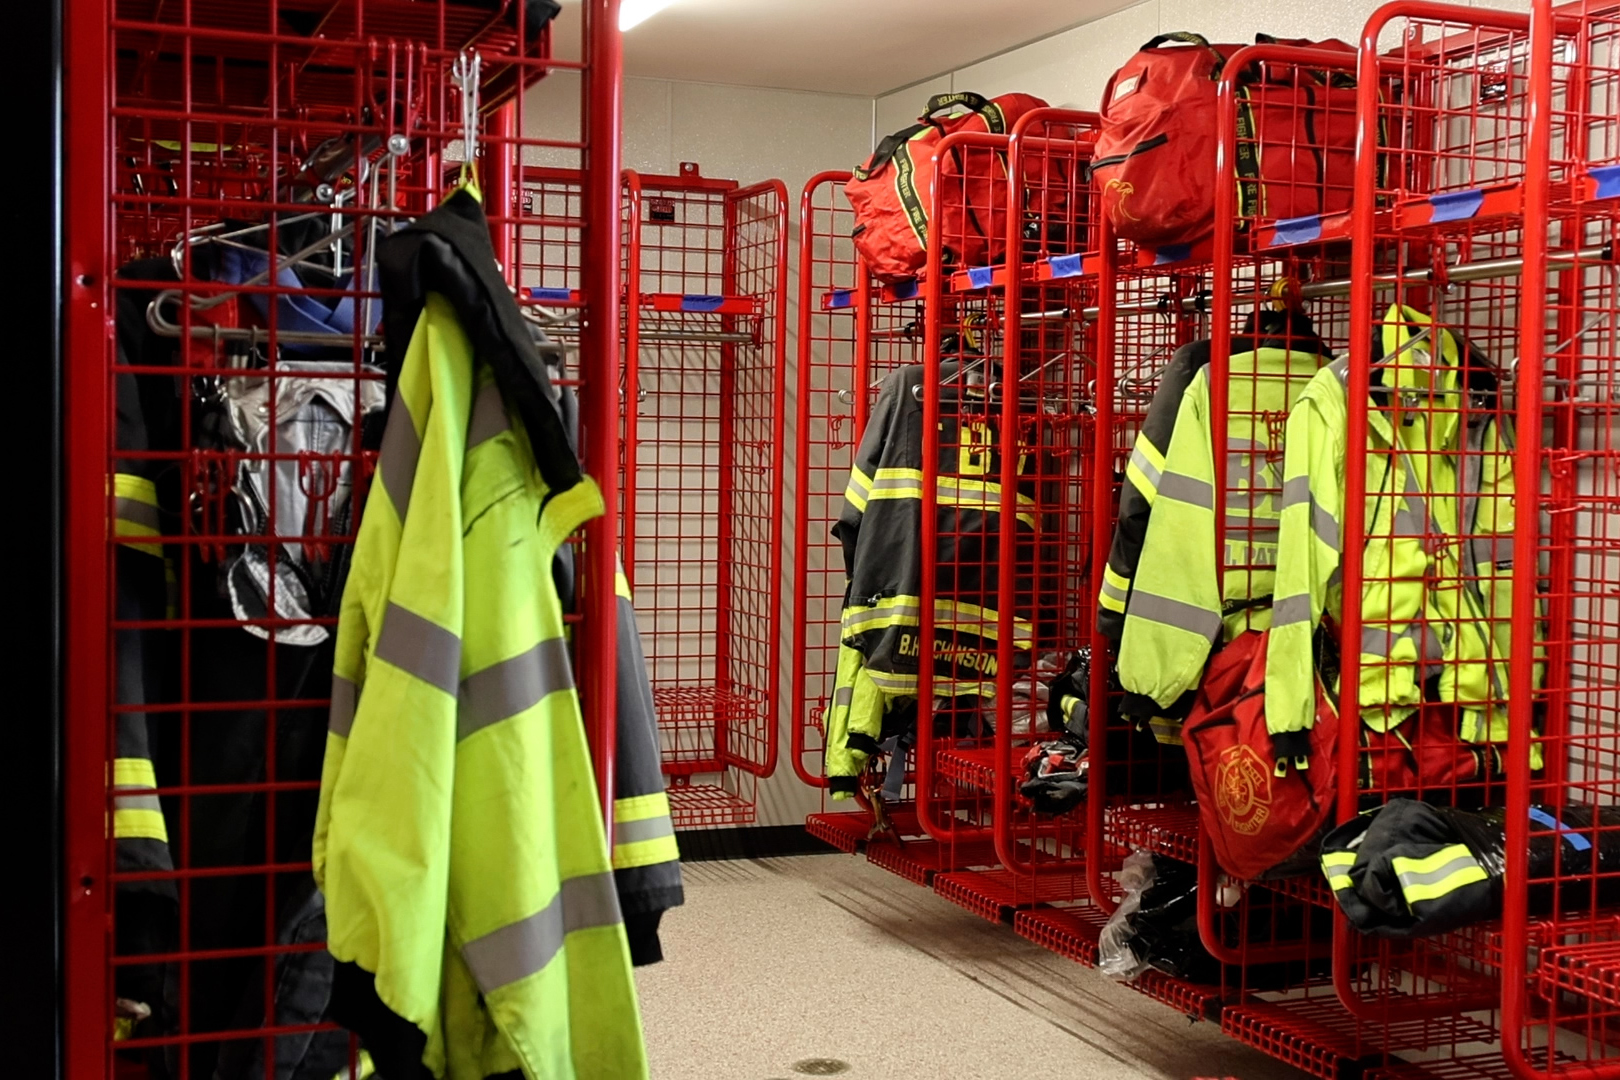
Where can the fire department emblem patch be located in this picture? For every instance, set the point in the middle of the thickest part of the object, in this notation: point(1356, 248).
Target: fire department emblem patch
point(1243, 790)
point(1120, 192)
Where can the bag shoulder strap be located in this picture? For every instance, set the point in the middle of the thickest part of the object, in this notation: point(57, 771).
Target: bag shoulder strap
point(940, 102)
point(1187, 37)
point(884, 154)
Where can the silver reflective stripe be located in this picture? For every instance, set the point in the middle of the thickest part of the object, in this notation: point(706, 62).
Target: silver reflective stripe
point(1493, 550)
point(137, 513)
point(1291, 609)
point(420, 648)
point(1410, 878)
point(1380, 640)
point(843, 696)
point(506, 689)
point(1176, 613)
point(633, 832)
point(523, 948)
point(1147, 467)
point(135, 802)
point(1187, 489)
point(345, 697)
point(1111, 590)
point(488, 416)
point(396, 461)
point(1296, 491)
point(898, 483)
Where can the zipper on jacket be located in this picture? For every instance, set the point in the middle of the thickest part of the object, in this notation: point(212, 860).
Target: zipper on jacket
point(1141, 148)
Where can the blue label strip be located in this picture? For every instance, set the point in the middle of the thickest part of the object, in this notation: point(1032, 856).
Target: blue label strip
point(1299, 230)
point(555, 295)
point(1172, 253)
point(980, 277)
point(1455, 205)
point(1608, 181)
point(841, 298)
point(1571, 837)
point(697, 302)
point(1067, 265)
point(903, 290)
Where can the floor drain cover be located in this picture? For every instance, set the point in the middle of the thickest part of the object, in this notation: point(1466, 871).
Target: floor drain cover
point(820, 1067)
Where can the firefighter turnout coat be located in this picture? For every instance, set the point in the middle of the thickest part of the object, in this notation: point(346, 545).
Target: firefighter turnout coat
point(1438, 558)
point(471, 897)
point(880, 528)
point(1161, 595)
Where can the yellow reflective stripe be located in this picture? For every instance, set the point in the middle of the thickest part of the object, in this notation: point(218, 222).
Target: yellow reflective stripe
point(1430, 863)
point(1149, 451)
point(134, 773)
point(858, 488)
point(1110, 603)
point(1165, 731)
point(139, 825)
point(136, 489)
point(1116, 589)
point(1467, 875)
point(1332, 860)
point(1117, 580)
point(365, 1070)
point(896, 484)
point(903, 610)
point(1437, 874)
point(1339, 881)
point(641, 807)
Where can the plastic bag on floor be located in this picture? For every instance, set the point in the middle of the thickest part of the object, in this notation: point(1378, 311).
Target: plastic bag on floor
point(1115, 957)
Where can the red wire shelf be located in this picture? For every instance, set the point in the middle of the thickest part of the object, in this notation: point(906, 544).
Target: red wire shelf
point(1067, 931)
point(1318, 1035)
point(1195, 1000)
point(709, 806)
point(996, 894)
point(1171, 831)
point(844, 830)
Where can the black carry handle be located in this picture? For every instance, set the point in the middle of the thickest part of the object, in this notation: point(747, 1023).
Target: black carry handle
point(1187, 37)
point(940, 102)
point(884, 154)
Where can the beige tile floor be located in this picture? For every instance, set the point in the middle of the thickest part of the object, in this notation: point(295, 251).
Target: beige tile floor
point(773, 964)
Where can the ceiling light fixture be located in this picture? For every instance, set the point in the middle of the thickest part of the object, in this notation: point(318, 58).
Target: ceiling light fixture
point(633, 13)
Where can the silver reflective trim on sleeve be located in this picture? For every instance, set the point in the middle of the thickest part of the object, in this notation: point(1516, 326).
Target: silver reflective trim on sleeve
point(901, 614)
point(401, 449)
point(524, 948)
point(1176, 613)
point(1296, 491)
point(137, 512)
point(146, 801)
point(420, 648)
point(488, 416)
point(345, 698)
point(1413, 880)
point(1148, 469)
point(843, 696)
point(1291, 609)
point(1109, 589)
point(634, 832)
point(1187, 489)
point(508, 688)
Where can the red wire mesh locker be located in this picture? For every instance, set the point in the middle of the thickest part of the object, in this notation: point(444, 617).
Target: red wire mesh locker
point(1559, 1007)
point(191, 124)
point(705, 370)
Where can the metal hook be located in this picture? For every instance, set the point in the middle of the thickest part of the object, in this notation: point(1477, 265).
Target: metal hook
point(465, 74)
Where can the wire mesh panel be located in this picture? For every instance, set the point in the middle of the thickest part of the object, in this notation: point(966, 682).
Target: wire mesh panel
point(703, 490)
point(236, 166)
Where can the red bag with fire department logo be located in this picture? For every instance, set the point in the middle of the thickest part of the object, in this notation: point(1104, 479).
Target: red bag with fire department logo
point(1255, 818)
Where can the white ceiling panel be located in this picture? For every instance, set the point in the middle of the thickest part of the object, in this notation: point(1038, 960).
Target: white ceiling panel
point(863, 47)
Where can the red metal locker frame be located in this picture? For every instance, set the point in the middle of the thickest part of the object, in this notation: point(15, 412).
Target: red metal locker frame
point(674, 285)
point(401, 39)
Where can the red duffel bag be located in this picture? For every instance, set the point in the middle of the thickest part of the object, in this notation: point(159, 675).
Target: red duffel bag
point(890, 193)
point(1255, 818)
point(1154, 162)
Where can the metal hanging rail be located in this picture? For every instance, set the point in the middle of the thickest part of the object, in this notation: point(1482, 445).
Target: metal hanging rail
point(1474, 271)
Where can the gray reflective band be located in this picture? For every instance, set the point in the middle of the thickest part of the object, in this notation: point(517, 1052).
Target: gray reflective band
point(1187, 489)
point(1149, 470)
point(1291, 609)
point(898, 483)
point(1409, 878)
point(345, 697)
point(1411, 516)
point(1296, 491)
point(1493, 550)
point(508, 688)
point(396, 461)
point(523, 948)
point(634, 832)
point(135, 802)
point(1110, 589)
point(1176, 613)
point(843, 696)
point(420, 648)
point(137, 513)
point(1380, 641)
point(488, 416)
point(1323, 525)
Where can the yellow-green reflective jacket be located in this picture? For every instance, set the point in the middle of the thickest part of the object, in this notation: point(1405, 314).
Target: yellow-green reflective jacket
point(1438, 558)
point(1174, 607)
point(459, 841)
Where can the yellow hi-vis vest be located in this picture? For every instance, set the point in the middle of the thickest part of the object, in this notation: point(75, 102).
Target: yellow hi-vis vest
point(458, 840)
point(1438, 560)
